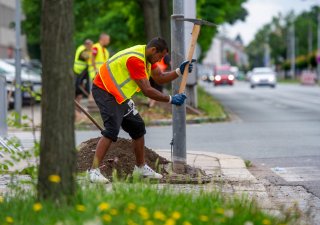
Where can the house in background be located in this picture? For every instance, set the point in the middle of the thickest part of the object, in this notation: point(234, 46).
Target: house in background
point(7, 31)
point(225, 51)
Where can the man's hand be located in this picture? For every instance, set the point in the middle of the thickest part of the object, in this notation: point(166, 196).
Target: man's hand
point(178, 99)
point(182, 67)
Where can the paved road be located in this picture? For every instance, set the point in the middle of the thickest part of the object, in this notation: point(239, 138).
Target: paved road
point(277, 128)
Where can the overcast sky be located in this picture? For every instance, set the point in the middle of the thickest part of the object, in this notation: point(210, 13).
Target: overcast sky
point(261, 12)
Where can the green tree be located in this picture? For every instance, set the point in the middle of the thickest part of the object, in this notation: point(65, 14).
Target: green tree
point(129, 22)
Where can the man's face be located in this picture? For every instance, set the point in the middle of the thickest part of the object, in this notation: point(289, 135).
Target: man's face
point(105, 40)
point(156, 56)
point(88, 45)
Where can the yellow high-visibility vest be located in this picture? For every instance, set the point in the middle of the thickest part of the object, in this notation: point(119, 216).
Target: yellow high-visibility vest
point(79, 65)
point(101, 57)
point(116, 77)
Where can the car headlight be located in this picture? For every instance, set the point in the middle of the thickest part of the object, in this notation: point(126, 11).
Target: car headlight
point(255, 79)
point(230, 77)
point(271, 79)
point(217, 78)
point(211, 77)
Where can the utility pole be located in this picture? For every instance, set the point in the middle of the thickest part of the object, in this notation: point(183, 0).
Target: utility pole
point(179, 154)
point(310, 38)
point(292, 48)
point(17, 94)
point(266, 51)
point(318, 52)
point(191, 88)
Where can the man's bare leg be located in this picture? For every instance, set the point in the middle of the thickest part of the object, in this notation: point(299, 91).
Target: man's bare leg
point(138, 146)
point(101, 150)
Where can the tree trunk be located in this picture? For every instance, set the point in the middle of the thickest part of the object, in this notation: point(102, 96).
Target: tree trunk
point(165, 12)
point(57, 156)
point(151, 11)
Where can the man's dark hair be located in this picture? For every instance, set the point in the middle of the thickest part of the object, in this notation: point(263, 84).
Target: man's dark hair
point(159, 43)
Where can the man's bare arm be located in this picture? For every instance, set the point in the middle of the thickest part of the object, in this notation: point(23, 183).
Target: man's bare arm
point(163, 77)
point(150, 92)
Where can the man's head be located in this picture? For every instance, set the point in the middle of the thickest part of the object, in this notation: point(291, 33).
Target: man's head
point(156, 49)
point(88, 44)
point(104, 39)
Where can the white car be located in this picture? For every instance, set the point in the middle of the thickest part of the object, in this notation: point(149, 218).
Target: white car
point(28, 80)
point(263, 76)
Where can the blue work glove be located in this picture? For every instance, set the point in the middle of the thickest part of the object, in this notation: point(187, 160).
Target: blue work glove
point(182, 66)
point(178, 99)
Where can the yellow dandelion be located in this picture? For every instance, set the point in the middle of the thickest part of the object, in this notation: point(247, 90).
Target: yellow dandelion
point(266, 222)
point(54, 178)
point(37, 207)
point(80, 208)
point(159, 215)
point(143, 213)
point(186, 223)
point(9, 219)
point(149, 222)
point(114, 212)
point(170, 222)
point(103, 206)
point(131, 222)
point(220, 210)
point(203, 218)
point(1, 199)
point(176, 215)
point(107, 218)
point(131, 206)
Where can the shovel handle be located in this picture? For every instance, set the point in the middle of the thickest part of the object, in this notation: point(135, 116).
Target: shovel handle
point(194, 38)
point(88, 115)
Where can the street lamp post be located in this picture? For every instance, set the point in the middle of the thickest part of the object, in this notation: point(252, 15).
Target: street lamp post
point(178, 112)
point(17, 94)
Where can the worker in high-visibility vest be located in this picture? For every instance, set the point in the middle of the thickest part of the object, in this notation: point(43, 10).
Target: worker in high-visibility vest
point(118, 79)
point(100, 54)
point(80, 68)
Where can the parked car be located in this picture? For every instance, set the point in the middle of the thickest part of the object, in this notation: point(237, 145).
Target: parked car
point(263, 76)
point(30, 80)
point(223, 75)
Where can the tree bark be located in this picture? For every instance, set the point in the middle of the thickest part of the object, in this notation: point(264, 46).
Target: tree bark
point(165, 12)
point(57, 147)
point(151, 11)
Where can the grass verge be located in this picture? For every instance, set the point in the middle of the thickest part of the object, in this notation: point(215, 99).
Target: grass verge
point(134, 204)
point(210, 106)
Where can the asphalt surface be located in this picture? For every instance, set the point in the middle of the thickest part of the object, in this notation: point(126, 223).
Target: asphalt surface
point(276, 128)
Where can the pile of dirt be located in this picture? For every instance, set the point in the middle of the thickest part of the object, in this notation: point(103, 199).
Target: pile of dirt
point(119, 157)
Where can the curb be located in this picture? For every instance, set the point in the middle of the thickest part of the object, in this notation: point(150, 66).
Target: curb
point(197, 120)
point(233, 176)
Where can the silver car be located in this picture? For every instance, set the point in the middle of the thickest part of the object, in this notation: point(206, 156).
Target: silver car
point(263, 76)
point(29, 80)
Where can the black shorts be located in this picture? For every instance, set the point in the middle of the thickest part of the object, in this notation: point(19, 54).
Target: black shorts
point(116, 115)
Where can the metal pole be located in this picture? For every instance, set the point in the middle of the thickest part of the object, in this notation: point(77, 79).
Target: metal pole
point(293, 53)
point(178, 112)
point(3, 107)
point(318, 52)
point(266, 52)
point(17, 94)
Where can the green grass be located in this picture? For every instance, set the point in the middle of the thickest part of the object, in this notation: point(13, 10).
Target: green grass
point(132, 204)
point(288, 81)
point(209, 105)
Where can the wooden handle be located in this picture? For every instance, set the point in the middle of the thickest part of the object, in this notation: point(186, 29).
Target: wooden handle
point(194, 38)
point(88, 115)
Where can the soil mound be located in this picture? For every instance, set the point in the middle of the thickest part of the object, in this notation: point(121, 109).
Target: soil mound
point(119, 157)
